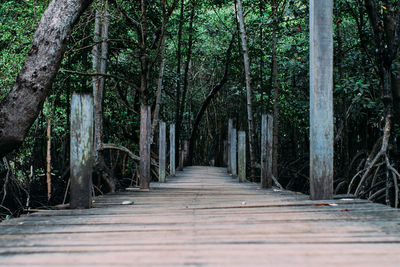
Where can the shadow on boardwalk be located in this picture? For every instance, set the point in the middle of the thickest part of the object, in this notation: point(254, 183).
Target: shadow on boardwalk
point(203, 217)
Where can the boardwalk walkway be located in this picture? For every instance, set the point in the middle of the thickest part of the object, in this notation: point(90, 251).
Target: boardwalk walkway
point(203, 217)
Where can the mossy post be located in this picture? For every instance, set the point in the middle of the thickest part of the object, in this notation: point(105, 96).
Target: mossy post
point(172, 150)
point(185, 152)
point(321, 99)
point(269, 148)
point(264, 151)
point(161, 152)
point(180, 157)
point(145, 143)
point(229, 145)
point(81, 151)
point(242, 156)
point(233, 153)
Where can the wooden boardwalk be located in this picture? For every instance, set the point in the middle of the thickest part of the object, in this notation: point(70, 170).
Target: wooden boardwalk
point(203, 217)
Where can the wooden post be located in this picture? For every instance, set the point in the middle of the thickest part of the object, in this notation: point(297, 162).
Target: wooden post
point(225, 153)
point(181, 155)
point(172, 150)
point(321, 99)
point(269, 150)
point(81, 151)
point(145, 143)
point(229, 145)
point(185, 152)
point(264, 151)
point(242, 156)
point(161, 152)
point(48, 159)
point(233, 153)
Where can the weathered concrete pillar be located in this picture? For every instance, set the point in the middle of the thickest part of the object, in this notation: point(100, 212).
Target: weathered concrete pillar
point(229, 145)
point(242, 156)
point(145, 143)
point(162, 152)
point(172, 149)
point(233, 153)
point(321, 99)
point(81, 151)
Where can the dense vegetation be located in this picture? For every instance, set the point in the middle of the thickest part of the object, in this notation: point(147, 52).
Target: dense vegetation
point(201, 41)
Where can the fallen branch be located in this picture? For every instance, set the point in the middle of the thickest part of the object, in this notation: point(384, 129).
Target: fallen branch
point(126, 150)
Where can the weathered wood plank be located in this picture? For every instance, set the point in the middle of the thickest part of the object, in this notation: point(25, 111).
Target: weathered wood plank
point(145, 143)
point(210, 220)
point(242, 156)
point(229, 145)
point(81, 150)
point(264, 151)
point(172, 150)
point(162, 152)
point(321, 99)
point(233, 153)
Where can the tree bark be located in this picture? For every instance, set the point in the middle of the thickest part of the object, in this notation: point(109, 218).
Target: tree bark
point(246, 61)
point(178, 74)
point(179, 122)
point(100, 57)
point(160, 87)
point(21, 106)
point(276, 88)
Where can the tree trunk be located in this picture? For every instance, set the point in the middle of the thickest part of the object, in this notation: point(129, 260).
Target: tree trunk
point(100, 57)
point(276, 88)
point(179, 122)
point(17, 111)
point(178, 74)
point(261, 54)
point(156, 115)
point(246, 61)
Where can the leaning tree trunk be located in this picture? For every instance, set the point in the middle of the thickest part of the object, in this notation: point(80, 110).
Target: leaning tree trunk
point(22, 105)
point(248, 86)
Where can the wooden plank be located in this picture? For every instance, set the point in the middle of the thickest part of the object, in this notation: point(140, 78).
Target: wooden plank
point(203, 217)
point(162, 152)
point(81, 150)
point(321, 99)
point(242, 156)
